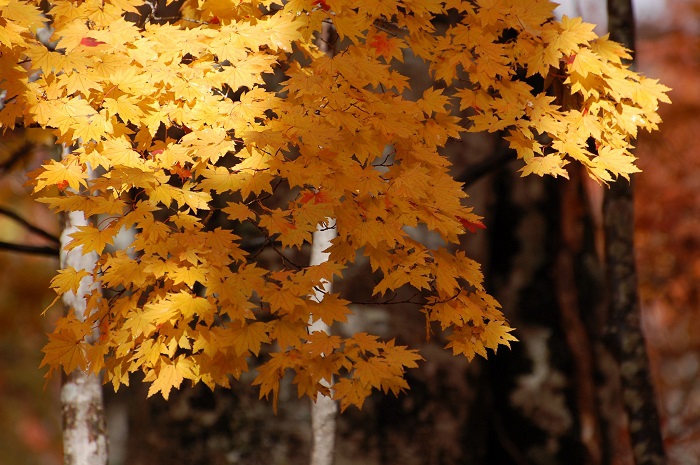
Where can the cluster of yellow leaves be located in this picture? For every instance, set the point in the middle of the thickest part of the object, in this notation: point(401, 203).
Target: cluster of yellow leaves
point(195, 142)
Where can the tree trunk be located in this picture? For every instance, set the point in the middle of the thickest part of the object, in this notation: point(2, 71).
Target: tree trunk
point(543, 398)
point(625, 324)
point(83, 414)
point(324, 410)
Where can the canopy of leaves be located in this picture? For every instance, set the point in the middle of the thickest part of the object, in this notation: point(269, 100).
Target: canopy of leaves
point(180, 119)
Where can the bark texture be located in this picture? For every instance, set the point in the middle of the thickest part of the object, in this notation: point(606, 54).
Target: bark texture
point(625, 323)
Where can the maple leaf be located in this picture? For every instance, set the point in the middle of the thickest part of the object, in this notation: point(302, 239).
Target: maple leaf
point(552, 164)
point(321, 343)
point(60, 174)
point(432, 101)
point(249, 337)
point(67, 346)
point(67, 349)
point(68, 280)
point(330, 309)
point(270, 374)
point(373, 372)
point(167, 375)
point(288, 333)
point(471, 226)
point(318, 196)
point(497, 333)
point(91, 239)
point(350, 392)
point(388, 47)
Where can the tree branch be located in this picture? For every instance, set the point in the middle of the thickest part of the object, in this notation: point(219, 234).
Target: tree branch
point(15, 157)
point(26, 224)
point(30, 249)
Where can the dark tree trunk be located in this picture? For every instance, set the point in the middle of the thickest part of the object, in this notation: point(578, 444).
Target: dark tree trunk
point(625, 326)
point(544, 394)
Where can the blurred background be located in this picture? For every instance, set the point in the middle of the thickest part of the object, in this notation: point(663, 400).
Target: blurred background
point(552, 399)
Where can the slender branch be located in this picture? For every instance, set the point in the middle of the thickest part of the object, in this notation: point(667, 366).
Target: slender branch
point(392, 300)
point(30, 249)
point(26, 224)
point(284, 258)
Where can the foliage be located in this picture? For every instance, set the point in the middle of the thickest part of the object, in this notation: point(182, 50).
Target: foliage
point(229, 110)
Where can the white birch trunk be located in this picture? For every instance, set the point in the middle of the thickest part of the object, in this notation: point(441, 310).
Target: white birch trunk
point(324, 410)
point(82, 406)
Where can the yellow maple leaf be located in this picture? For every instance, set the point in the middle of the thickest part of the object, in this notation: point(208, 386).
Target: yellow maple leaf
point(62, 175)
point(247, 338)
point(91, 239)
point(165, 376)
point(497, 333)
point(351, 392)
point(68, 280)
point(67, 349)
point(552, 164)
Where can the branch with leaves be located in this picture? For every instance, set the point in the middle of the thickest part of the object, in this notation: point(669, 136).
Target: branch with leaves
point(176, 131)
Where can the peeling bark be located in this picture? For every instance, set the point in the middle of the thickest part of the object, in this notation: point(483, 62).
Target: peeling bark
point(625, 325)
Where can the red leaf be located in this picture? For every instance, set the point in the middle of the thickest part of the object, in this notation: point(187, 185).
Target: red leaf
point(322, 5)
point(471, 226)
point(317, 197)
point(381, 44)
point(184, 173)
point(62, 185)
point(90, 42)
point(215, 20)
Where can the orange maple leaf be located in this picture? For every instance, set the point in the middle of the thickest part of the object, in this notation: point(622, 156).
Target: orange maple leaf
point(388, 47)
point(183, 172)
point(318, 196)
